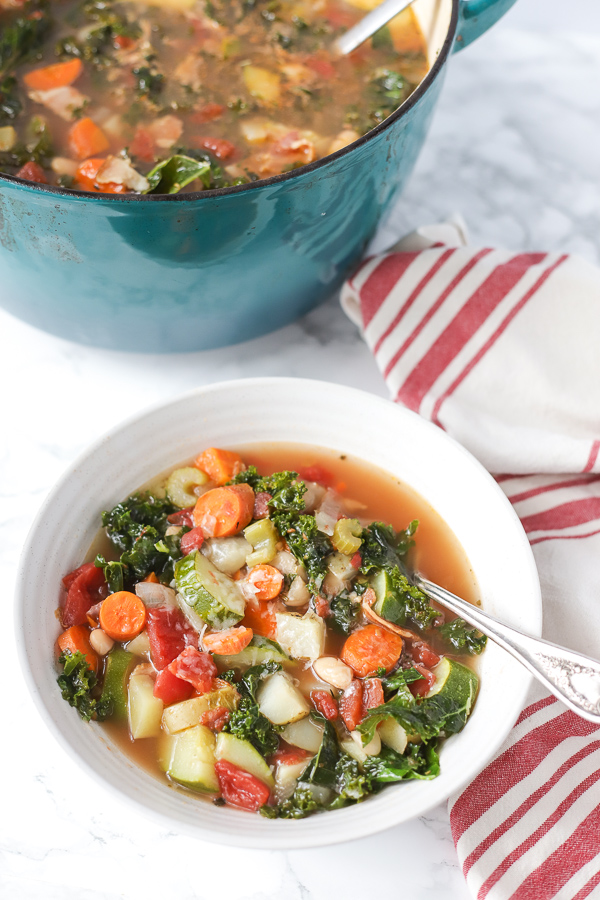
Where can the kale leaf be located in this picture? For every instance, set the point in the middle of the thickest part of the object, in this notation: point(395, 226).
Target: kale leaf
point(10, 103)
point(462, 637)
point(399, 682)
point(171, 175)
point(384, 548)
point(148, 83)
point(344, 613)
point(77, 684)
point(247, 721)
point(309, 545)
point(419, 761)
point(412, 604)
point(301, 804)
point(353, 784)
point(322, 767)
point(21, 40)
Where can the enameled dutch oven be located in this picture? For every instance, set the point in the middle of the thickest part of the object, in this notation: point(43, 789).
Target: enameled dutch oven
point(202, 270)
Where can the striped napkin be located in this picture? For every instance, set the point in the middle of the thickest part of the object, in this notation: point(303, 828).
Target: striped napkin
point(502, 351)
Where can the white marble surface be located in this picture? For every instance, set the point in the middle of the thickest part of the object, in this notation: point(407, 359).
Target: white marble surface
point(514, 147)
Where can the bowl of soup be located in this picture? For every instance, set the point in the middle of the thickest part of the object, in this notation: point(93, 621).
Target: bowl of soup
point(168, 595)
point(183, 176)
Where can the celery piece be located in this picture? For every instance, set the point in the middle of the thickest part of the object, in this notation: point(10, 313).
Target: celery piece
point(263, 537)
point(181, 483)
point(346, 536)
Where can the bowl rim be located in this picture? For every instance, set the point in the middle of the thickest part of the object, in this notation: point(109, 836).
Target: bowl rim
point(289, 838)
point(403, 109)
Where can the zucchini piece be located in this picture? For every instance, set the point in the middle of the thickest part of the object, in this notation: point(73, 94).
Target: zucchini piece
point(186, 714)
point(393, 735)
point(302, 637)
point(456, 682)
point(114, 688)
point(304, 733)
point(192, 762)
point(181, 483)
point(387, 604)
point(263, 538)
point(214, 596)
point(145, 710)
point(241, 753)
point(259, 650)
point(280, 700)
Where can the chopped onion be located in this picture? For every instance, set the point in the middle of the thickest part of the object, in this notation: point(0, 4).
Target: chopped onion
point(153, 594)
point(329, 511)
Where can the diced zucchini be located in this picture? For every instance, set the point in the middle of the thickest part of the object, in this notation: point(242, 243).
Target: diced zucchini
point(145, 710)
point(280, 700)
point(263, 537)
point(302, 637)
point(192, 762)
point(165, 746)
point(241, 753)
point(186, 714)
point(140, 645)
point(214, 596)
point(455, 681)
point(387, 605)
point(259, 650)
point(286, 779)
point(393, 735)
point(304, 733)
point(227, 554)
point(114, 688)
point(262, 83)
point(181, 483)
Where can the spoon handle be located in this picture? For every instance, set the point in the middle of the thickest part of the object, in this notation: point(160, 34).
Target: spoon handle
point(570, 676)
point(370, 24)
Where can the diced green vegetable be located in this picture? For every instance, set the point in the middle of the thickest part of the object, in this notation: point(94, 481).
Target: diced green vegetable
point(77, 684)
point(263, 537)
point(347, 536)
point(140, 645)
point(393, 735)
point(214, 596)
point(192, 762)
point(181, 483)
point(8, 138)
point(145, 710)
point(241, 753)
point(259, 650)
point(114, 689)
point(286, 779)
point(187, 713)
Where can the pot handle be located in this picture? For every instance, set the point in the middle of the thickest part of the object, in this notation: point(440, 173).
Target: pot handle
point(475, 17)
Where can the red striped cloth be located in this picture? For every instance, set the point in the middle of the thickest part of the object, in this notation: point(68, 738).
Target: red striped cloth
point(501, 350)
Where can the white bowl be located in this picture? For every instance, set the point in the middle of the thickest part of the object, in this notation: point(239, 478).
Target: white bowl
point(302, 411)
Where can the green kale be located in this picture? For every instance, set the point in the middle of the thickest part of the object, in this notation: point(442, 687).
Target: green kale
point(462, 637)
point(286, 488)
point(412, 604)
point(10, 103)
point(148, 83)
point(298, 806)
point(247, 721)
point(384, 548)
point(419, 761)
point(77, 684)
point(128, 520)
point(399, 682)
point(37, 146)
point(22, 39)
point(391, 85)
point(344, 613)
point(352, 783)
point(309, 545)
point(322, 768)
point(115, 573)
point(382, 39)
point(171, 175)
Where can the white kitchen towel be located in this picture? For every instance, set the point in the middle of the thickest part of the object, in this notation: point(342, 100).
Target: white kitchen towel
point(502, 350)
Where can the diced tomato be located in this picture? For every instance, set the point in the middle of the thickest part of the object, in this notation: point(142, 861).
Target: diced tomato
point(322, 607)
point(207, 113)
point(340, 18)
point(316, 473)
point(142, 146)
point(215, 719)
point(169, 634)
point(351, 709)
point(86, 587)
point(191, 540)
point(372, 693)
point(288, 756)
point(182, 517)
point(325, 703)
point(322, 67)
point(356, 561)
point(122, 42)
point(261, 505)
point(423, 685)
point(171, 689)
point(240, 788)
point(221, 148)
point(196, 667)
point(422, 653)
point(32, 171)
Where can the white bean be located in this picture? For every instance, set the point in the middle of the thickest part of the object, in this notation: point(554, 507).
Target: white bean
point(298, 594)
point(100, 641)
point(333, 671)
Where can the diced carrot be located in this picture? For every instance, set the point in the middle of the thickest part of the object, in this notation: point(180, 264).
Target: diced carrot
point(55, 76)
point(219, 465)
point(122, 42)
point(224, 511)
point(77, 638)
point(152, 578)
point(85, 178)
point(32, 171)
point(122, 616)
point(87, 139)
point(371, 648)
point(228, 642)
point(266, 580)
point(260, 617)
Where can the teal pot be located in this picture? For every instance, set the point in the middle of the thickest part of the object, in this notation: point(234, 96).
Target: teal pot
point(202, 270)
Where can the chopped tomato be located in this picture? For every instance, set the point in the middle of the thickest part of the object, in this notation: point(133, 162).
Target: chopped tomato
point(422, 653)
point(240, 788)
point(169, 634)
point(196, 667)
point(215, 719)
point(340, 18)
point(356, 561)
point(287, 755)
point(221, 148)
point(171, 689)
point(86, 588)
point(261, 505)
point(322, 607)
point(32, 171)
point(182, 517)
point(191, 540)
point(351, 708)
point(142, 145)
point(207, 113)
point(316, 473)
point(372, 693)
point(325, 704)
point(322, 67)
point(422, 687)
point(122, 42)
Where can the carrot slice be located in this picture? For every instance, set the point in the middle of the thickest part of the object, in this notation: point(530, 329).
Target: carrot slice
point(371, 648)
point(260, 617)
point(55, 76)
point(85, 178)
point(122, 616)
point(224, 511)
point(266, 580)
point(219, 465)
point(77, 638)
point(87, 139)
point(229, 642)
point(151, 578)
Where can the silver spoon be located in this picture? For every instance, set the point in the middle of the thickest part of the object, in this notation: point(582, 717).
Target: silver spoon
point(368, 26)
point(570, 676)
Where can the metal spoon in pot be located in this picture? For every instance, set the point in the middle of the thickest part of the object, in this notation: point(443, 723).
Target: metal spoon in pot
point(570, 676)
point(367, 26)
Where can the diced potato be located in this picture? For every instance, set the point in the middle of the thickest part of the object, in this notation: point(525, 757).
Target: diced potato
point(286, 779)
point(241, 753)
point(140, 645)
point(8, 138)
point(370, 749)
point(304, 733)
point(393, 735)
point(186, 714)
point(281, 701)
point(302, 637)
point(262, 83)
point(144, 709)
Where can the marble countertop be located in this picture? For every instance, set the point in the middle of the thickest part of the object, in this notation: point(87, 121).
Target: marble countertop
point(514, 148)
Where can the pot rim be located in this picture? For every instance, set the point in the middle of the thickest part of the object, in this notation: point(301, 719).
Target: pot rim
point(402, 110)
